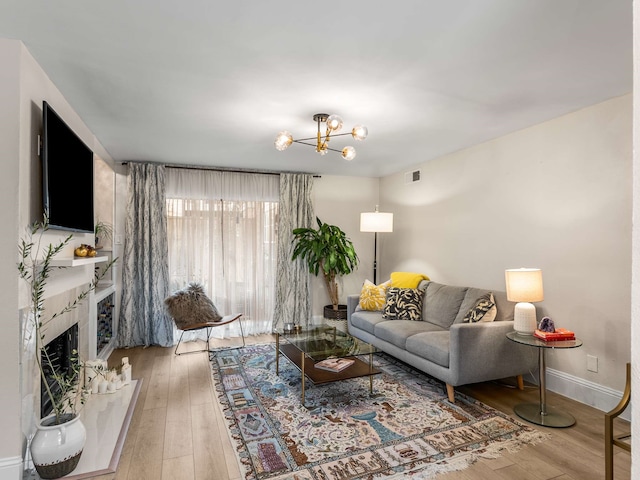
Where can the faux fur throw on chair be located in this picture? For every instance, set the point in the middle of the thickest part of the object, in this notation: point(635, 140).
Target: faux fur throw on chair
point(191, 306)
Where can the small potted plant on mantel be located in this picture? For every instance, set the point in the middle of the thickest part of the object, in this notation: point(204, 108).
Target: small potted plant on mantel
point(328, 250)
point(103, 232)
point(57, 445)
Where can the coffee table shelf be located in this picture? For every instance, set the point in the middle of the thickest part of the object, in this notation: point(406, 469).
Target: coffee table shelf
point(304, 349)
point(319, 376)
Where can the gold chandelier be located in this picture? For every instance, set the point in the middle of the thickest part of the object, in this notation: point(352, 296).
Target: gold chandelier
point(333, 125)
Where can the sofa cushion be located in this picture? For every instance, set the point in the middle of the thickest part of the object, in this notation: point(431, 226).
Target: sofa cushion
point(366, 321)
point(372, 296)
point(407, 279)
point(432, 346)
point(442, 303)
point(504, 308)
point(403, 304)
point(398, 331)
point(191, 306)
point(484, 310)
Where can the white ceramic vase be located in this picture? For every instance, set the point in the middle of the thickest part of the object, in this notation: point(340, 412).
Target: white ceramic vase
point(56, 449)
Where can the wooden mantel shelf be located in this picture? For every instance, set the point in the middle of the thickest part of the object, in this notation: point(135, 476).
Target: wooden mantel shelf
point(77, 261)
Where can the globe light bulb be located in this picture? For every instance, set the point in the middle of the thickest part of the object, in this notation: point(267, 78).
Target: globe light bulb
point(283, 140)
point(359, 132)
point(334, 123)
point(348, 153)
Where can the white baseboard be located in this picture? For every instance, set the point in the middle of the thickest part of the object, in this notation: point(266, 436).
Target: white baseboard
point(584, 391)
point(11, 468)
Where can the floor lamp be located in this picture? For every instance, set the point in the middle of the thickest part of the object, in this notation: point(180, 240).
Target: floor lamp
point(376, 222)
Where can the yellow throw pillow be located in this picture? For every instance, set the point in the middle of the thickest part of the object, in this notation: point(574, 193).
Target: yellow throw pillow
point(373, 297)
point(407, 279)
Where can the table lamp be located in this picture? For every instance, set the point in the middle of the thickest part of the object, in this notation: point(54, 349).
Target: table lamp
point(524, 285)
point(376, 222)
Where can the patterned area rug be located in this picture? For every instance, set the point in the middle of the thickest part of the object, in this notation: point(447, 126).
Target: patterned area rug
point(406, 429)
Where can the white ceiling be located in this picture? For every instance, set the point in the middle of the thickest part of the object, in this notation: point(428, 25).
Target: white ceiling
point(204, 82)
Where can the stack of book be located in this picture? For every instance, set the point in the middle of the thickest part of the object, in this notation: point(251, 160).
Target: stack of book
point(557, 335)
point(335, 364)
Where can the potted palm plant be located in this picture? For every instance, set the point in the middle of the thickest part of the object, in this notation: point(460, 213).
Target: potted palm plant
point(326, 250)
point(57, 445)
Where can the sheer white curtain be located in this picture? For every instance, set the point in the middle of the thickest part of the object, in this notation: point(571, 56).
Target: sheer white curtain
point(222, 233)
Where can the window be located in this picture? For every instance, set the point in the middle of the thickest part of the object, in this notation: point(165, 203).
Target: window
point(226, 244)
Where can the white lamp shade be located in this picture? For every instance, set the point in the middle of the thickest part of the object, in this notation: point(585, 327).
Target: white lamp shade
point(376, 222)
point(524, 285)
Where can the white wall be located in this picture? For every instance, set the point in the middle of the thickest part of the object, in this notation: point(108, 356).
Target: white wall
point(10, 440)
point(23, 87)
point(635, 286)
point(555, 196)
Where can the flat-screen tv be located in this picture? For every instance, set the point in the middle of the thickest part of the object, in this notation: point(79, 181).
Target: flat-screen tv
point(67, 175)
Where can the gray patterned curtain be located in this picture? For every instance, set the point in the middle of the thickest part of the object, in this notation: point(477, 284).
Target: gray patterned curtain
point(145, 271)
point(293, 290)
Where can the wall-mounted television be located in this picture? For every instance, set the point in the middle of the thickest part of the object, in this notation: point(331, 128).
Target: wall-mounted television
point(67, 175)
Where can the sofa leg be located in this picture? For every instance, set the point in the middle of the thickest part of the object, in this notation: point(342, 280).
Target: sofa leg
point(451, 393)
point(520, 382)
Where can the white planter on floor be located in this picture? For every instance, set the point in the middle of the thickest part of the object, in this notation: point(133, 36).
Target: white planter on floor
point(56, 449)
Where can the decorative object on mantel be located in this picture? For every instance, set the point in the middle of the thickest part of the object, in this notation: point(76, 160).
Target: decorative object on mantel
point(103, 231)
point(58, 442)
point(100, 380)
point(524, 285)
point(326, 250)
point(85, 250)
point(333, 125)
point(376, 222)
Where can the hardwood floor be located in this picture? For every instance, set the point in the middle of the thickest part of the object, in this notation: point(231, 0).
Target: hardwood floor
point(177, 431)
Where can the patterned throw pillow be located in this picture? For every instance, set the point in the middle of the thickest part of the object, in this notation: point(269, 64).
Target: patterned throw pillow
point(403, 304)
point(372, 296)
point(484, 310)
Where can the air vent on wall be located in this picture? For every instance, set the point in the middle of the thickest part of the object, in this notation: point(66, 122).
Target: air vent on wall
point(412, 177)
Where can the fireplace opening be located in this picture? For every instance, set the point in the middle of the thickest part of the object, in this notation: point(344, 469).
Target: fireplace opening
point(60, 351)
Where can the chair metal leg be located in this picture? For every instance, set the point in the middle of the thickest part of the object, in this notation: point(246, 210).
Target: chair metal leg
point(209, 331)
point(176, 350)
point(222, 349)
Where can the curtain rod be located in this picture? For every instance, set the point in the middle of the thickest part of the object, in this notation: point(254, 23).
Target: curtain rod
point(222, 169)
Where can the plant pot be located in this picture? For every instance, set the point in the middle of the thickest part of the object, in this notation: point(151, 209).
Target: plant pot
point(56, 448)
point(331, 314)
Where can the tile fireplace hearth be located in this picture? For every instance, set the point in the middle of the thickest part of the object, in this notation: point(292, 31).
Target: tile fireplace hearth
point(106, 419)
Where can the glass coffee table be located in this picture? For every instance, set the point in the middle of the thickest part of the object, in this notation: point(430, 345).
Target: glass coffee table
point(306, 347)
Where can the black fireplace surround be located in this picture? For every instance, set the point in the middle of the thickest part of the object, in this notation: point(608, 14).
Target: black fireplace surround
point(60, 351)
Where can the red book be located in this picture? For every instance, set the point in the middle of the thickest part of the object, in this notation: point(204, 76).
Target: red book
point(559, 334)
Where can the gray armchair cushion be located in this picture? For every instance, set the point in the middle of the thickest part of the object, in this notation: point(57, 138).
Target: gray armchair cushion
point(367, 321)
point(442, 303)
point(432, 346)
point(504, 307)
point(398, 331)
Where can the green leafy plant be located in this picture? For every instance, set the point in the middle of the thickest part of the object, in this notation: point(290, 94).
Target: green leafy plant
point(35, 267)
point(103, 231)
point(328, 250)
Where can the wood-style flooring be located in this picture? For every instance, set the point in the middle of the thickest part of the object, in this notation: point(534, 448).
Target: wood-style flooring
point(177, 431)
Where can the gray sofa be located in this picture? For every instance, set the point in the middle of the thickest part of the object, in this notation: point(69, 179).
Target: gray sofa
point(441, 345)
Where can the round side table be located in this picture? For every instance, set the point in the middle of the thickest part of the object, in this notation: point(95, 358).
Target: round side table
point(540, 413)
